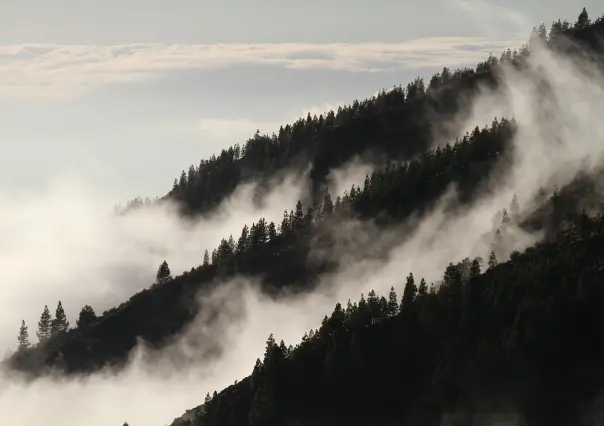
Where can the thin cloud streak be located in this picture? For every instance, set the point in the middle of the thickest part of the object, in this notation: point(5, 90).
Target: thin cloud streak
point(45, 70)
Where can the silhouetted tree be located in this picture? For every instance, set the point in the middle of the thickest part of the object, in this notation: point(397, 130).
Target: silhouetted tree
point(87, 316)
point(492, 260)
point(408, 295)
point(59, 324)
point(163, 273)
point(583, 21)
point(23, 337)
point(44, 325)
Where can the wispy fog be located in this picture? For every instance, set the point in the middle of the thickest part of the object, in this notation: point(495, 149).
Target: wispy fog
point(63, 245)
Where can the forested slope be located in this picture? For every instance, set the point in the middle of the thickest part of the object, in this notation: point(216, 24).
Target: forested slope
point(485, 327)
point(278, 253)
point(523, 338)
point(520, 342)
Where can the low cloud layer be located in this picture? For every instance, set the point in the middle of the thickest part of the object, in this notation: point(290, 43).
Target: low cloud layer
point(556, 133)
point(45, 70)
point(65, 243)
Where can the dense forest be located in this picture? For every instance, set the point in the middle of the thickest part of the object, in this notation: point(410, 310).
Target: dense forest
point(520, 338)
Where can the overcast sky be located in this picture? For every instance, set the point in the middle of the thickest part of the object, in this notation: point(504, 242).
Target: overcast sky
point(130, 92)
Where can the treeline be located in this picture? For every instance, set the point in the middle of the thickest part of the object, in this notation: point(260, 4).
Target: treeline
point(49, 327)
point(279, 252)
point(520, 340)
point(396, 124)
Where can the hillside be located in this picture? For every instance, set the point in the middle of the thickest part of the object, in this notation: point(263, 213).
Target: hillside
point(516, 331)
point(279, 253)
point(515, 344)
point(519, 339)
point(397, 124)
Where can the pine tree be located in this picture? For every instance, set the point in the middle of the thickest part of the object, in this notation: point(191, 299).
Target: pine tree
point(87, 316)
point(492, 260)
point(270, 345)
point(232, 245)
point(392, 307)
point(206, 258)
point(285, 226)
point(423, 288)
point(23, 337)
point(327, 205)
point(583, 21)
point(242, 244)
point(408, 295)
point(44, 325)
point(298, 220)
point(475, 268)
point(59, 324)
point(163, 273)
point(272, 231)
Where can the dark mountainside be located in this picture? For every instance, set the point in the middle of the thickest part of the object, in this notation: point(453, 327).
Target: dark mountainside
point(520, 338)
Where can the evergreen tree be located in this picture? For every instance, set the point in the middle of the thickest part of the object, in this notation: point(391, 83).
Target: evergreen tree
point(242, 244)
point(583, 21)
point(231, 244)
point(492, 260)
point(392, 307)
point(272, 231)
point(327, 205)
point(44, 325)
point(23, 337)
point(298, 221)
point(59, 324)
point(163, 273)
point(408, 295)
point(423, 288)
point(268, 352)
point(87, 316)
point(285, 226)
point(475, 268)
point(206, 258)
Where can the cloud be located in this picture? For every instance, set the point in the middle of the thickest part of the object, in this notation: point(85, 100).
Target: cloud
point(45, 70)
point(556, 133)
point(63, 243)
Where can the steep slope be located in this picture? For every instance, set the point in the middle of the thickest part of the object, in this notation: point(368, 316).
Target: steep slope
point(277, 254)
point(280, 254)
point(397, 124)
point(519, 343)
point(523, 339)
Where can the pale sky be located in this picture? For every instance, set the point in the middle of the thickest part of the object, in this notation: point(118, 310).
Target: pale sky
point(130, 92)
